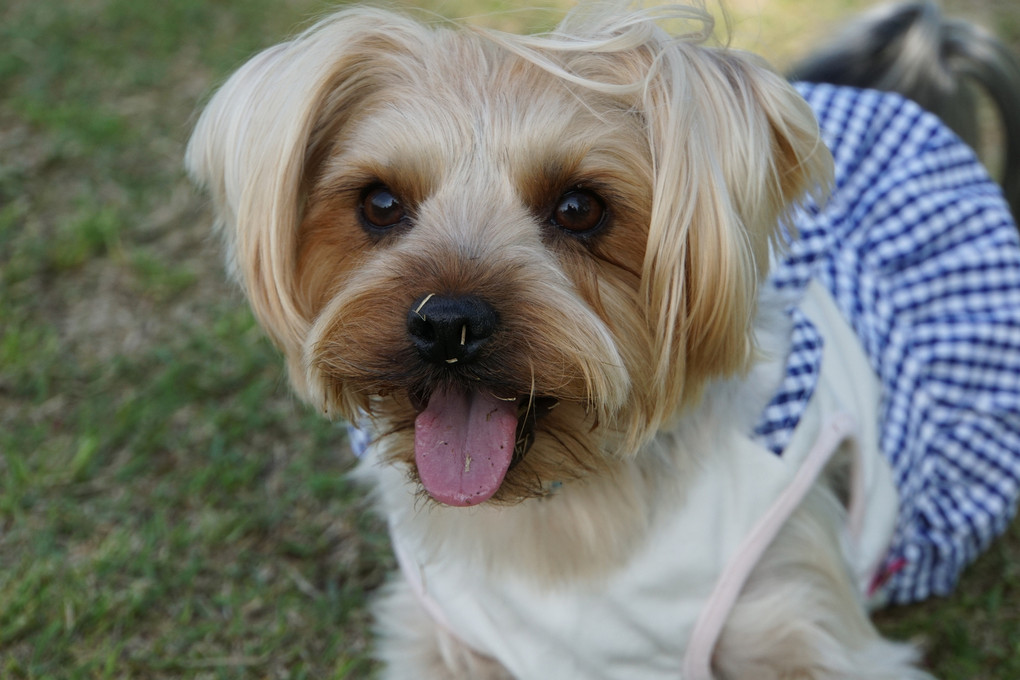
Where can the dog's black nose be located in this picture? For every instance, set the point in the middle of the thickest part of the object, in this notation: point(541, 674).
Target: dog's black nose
point(450, 329)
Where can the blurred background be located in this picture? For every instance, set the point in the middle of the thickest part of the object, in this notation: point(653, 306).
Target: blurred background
point(166, 509)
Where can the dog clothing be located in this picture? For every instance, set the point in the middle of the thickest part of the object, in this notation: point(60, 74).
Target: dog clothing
point(917, 251)
point(671, 599)
point(920, 253)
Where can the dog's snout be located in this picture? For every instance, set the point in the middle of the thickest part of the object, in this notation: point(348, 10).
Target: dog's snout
point(450, 329)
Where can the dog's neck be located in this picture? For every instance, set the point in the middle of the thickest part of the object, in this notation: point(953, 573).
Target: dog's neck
point(580, 531)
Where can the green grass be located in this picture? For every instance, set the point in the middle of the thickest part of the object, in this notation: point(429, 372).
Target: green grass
point(166, 509)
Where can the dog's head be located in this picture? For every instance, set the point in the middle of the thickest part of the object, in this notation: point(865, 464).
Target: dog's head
point(519, 257)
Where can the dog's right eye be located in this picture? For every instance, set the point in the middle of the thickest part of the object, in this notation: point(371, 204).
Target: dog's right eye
point(579, 212)
point(380, 209)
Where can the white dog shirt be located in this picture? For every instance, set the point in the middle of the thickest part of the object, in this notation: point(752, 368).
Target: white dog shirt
point(663, 611)
point(918, 249)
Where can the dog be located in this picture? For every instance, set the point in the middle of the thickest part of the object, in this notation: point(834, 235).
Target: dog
point(657, 356)
point(942, 64)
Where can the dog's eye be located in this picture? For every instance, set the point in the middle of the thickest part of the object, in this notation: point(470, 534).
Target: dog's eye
point(381, 209)
point(579, 211)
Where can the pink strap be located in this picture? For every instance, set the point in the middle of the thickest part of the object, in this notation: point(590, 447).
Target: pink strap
point(416, 579)
point(698, 661)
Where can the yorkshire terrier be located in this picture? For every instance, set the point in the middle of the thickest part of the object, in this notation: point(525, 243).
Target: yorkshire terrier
point(534, 271)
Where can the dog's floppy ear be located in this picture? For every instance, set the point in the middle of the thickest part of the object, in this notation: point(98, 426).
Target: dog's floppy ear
point(735, 147)
point(262, 134)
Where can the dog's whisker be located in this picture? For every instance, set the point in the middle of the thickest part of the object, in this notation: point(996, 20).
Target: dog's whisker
point(421, 305)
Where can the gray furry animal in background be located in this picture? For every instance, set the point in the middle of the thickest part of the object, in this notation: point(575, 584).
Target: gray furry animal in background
point(939, 62)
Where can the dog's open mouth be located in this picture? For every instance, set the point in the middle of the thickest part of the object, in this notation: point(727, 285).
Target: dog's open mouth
point(465, 441)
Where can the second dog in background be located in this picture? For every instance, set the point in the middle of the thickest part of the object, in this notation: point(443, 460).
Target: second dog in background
point(942, 64)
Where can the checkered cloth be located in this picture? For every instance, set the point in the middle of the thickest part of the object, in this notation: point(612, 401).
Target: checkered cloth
point(922, 256)
point(781, 416)
point(919, 250)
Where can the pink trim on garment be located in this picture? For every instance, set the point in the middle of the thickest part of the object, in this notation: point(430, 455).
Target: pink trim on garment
point(416, 580)
point(698, 660)
point(886, 573)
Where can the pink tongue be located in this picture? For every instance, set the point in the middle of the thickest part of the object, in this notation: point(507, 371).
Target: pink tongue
point(463, 443)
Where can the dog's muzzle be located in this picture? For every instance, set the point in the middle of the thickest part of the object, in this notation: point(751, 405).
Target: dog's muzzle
point(467, 435)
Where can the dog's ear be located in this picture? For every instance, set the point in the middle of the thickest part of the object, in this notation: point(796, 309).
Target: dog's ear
point(261, 137)
point(735, 147)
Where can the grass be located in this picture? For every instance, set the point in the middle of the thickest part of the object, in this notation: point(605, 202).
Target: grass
point(166, 509)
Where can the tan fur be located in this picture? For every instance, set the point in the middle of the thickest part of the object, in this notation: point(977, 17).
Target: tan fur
point(699, 154)
point(811, 625)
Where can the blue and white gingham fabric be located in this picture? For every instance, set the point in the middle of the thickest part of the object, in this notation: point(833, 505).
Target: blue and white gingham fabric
point(922, 256)
point(919, 250)
point(782, 414)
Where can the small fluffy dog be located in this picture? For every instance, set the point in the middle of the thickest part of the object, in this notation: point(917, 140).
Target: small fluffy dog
point(534, 271)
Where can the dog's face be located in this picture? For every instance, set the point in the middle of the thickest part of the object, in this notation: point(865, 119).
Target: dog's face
point(519, 260)
point(471, 255)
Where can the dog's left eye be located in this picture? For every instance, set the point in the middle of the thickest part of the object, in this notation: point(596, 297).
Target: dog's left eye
point(579, 211)
point(381, 209)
